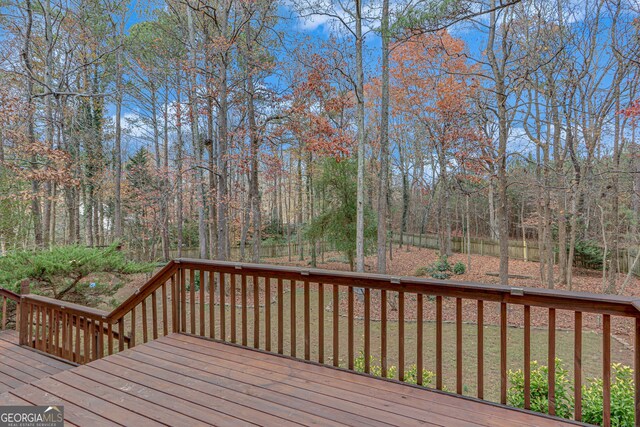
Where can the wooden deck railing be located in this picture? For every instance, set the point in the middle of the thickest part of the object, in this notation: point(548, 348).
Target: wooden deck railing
point(212, 299)
point(8, 298)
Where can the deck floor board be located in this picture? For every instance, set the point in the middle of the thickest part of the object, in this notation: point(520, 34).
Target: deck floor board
point(20, 366)
point(186, 380)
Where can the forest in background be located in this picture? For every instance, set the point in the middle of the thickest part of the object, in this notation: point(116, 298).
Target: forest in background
point(237, 123)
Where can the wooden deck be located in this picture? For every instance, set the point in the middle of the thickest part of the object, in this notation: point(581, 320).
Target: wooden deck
point(20, 366)
point(186, 380)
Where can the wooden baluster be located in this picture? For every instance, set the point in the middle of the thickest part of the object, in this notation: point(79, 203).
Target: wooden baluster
point(49, 328)
point(256, 312)
point(154, 314)
point(56, 327)
point(503, 353)
point(367, 330)
point(202, 303)
point(551, 372)
point(350, 331)
point(31, 313)
point(320, 323)
point(43, 335)
point(52, 332)
point(86, 356)
point(636, 371)
point(336, 319)
point(93, 331)
point(60, 333)
point(37, 342)
point(267, 314)
point(606, 370)
point(459, 345)
point(232, 301)
point(4, 313)
point(212, 305)
point(307, 322)
point(420, 338)
point(480, 350)
point(383, 333)
point(280, 317)
point(132, 342)
point(183, 300)
point(401, 336)
point(527, 357)
point(70, 353)
point(63, 347)
point(293, 322)
point(77, 355)
point(143, 317)
point(243, 289)
point(100, 338)
point(577, 366)
point(110, 338)
point(439, 342)
point(50, 348)
point(165, 311)
point(192, 300)
point(223, 298)
point(175, 300)
point(43, 329)
point(121, 334)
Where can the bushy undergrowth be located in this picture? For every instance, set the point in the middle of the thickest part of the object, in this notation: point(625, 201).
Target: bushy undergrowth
point(442, 269)
point(622, 394)
point(410, 375)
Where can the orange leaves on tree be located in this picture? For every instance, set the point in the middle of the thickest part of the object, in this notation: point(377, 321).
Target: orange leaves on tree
point(317, 109)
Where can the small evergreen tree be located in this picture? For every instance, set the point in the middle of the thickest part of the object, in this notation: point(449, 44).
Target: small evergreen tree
point(337, 222)
point(59, 271)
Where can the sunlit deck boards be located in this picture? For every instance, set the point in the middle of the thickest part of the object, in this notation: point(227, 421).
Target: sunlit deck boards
point(183, 380)
point(20, 366)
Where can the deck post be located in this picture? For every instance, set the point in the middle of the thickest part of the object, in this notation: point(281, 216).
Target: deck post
point(22, 314)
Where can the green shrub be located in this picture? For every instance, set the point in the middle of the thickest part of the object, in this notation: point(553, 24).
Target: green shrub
point(410, 375)
point(375, 367)
point(459, 268)
point(622, 398)
point(590, 253)
point(540, 389)
point(622, 394)
point(441, 269)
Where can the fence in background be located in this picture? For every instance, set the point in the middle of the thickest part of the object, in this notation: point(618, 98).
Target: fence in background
point(518, 249)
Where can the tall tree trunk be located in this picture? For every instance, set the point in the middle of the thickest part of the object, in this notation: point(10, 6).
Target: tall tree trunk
point(254, 185)
point(503, 136)
point(384, 144)
point(117, 214)
point(164, 211)
point(223, 130)
point(361, 142)
point(195, 135)
point(179, 186)
point(31, 134)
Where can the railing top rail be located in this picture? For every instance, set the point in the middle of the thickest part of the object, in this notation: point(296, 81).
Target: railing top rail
point(560, 299)
point(69, 307)
point(9, 294)
point(158, 279)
